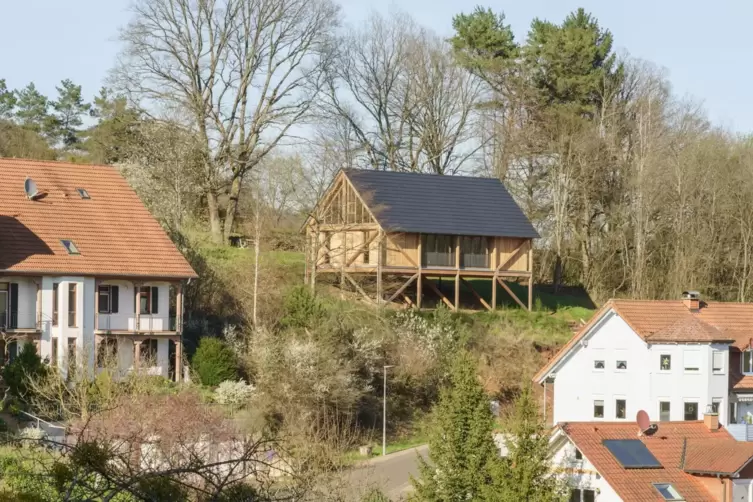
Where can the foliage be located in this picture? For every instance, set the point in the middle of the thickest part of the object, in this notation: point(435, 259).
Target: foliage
point(27, 365)
point(375, 495)
point(302, 309)
point(232, 393)
point(214, 362)
point(526, 472)
point(461, 447)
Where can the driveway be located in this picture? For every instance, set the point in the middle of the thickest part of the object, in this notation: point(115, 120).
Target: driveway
point(391, 474)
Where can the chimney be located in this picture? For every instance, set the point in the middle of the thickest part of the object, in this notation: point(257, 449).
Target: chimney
point(692, 300)
point(711, 419)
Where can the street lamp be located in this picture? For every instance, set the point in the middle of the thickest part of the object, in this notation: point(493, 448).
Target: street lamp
point(384, 410)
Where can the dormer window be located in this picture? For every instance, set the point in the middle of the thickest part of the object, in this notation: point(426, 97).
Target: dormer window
point(69, 246)
point(83, 193)
point(747, 361)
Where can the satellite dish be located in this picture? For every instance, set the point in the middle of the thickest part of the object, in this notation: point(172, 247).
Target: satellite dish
point(30, 187)
point(644, 424)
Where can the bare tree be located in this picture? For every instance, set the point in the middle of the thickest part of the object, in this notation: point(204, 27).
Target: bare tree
point(242, 72)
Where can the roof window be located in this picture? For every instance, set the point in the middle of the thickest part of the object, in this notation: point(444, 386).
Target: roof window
point(69, 246)
point(668, 492)
point(83, 193)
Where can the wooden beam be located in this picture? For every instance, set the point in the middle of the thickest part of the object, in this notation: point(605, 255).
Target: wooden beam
point(419, 280)
point(509, 292)
point(358, 288)
point(380, 248)
point(494, 292)
point(441, 295)
point(402, 288)
point(475, 293)
point(530, 294)
point(407, 299)
point(457, 275)
point(361, 250)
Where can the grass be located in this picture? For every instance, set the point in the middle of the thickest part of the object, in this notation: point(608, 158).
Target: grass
point(394, 446)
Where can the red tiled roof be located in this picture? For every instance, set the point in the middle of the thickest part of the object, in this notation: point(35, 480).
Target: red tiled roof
point(712, 456)
point(113, 231)
point(672, 321)
point(667, 445)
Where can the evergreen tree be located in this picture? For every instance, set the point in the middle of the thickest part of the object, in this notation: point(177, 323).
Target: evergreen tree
point(525, 473)
point(116, 133)
point(7, 101)
point(31, 109)
point(69, 108)
point(461, 446)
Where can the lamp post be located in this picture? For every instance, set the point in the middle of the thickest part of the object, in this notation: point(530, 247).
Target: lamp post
point(384, 411)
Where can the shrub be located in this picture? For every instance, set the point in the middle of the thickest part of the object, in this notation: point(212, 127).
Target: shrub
point(32, 433)
point(302, 309)
point(27, 365)
point(233, 393)
point(214, 362)
point(3, 426)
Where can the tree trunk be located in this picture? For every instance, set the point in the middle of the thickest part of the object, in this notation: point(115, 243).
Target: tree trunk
point(557, 279)
point(232, 207)
point(215, 226)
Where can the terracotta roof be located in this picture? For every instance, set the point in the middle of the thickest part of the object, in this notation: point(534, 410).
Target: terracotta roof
point(667, 445)
point(671, 321)
point(113, 231)
point(712, 456)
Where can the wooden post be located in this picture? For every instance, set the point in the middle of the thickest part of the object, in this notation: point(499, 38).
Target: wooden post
point(179, 307)
point(306, 256)
point(530, 277)
point(136, 353)
point(179, 359)
point(494, 279)
point(457, 273)
point(315, 259)
point(380, 258)
point(419, 279)
point(137, 324)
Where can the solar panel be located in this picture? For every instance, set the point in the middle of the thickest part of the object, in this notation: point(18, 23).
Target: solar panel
point(631, 453)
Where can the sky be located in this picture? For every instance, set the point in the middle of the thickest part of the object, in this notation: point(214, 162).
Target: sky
point(706, 47)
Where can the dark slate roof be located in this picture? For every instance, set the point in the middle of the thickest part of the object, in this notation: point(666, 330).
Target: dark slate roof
point(434, 204)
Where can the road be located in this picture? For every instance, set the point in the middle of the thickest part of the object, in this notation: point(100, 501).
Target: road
point(391, 474)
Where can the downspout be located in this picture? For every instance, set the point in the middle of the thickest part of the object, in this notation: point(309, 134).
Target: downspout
point(545, 379)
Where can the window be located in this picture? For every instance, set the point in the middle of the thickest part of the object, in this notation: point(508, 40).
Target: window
point(148, 352)
point(578, 454)
point(71, 353)
point(582, 495)
point(72, 305)
point(54, 351)
point(599, 364)
point(55, 304)
point(474, 252)
point(664, 411)
point(717, 361)
point(83, 193)
point(620, 408)
point(690, 411)
point(692, 360)
point(715, 404)
point(668, 492)
point(747, 359)
point(598, 408)
point(665, 362)
point(438, 250)
point(108, 299)
point(148, 300)
point(366, 249)
point(621, 365)
point(69, 246)
point(107, 352)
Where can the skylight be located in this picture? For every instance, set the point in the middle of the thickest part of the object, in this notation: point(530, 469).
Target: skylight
point(631, 454)
point(69, 246)
point(83, 193)
point(668, 492)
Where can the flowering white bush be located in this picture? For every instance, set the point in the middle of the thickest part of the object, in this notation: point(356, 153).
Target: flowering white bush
point(32, 433)
point(233, 393)
point(431, 337)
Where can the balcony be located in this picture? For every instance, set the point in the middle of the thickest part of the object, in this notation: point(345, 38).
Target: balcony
point(19, 322)
point(741, 432)
point(126, 324)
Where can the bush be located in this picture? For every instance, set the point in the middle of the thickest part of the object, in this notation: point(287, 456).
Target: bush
point(214, 362)
point(26, 365)
point(233, 393)
point(302, 309)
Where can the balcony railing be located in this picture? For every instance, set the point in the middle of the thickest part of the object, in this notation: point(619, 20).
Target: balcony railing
point(741, 432)
point(18, 320)
point(147, 323)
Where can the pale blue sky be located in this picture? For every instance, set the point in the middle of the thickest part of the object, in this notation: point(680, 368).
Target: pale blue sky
point(706, 46)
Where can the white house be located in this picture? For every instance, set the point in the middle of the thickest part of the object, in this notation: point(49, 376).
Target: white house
point(673, 359)
point(86, 271)
point(680, 461)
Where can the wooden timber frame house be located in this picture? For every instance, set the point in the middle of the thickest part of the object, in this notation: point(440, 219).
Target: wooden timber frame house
point(415, 229)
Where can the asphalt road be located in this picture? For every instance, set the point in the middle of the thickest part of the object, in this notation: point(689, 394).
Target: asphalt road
point(391, 474)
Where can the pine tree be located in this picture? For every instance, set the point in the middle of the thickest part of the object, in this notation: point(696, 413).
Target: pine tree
point(461, 446)
point(525, 473)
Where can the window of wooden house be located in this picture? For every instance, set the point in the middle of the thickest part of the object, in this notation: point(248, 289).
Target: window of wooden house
point(438, 250)
point(474, 252)
point(72, 305)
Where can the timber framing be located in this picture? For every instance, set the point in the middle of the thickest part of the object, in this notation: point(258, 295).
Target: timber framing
point(346, 241)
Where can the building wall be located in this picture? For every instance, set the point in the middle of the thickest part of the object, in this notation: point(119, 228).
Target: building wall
point(643, 384)
point(125, 319)
point(27, 299)
point(581, 473)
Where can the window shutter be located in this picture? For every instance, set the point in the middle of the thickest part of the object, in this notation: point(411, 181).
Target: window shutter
point(155, 300)
point(13, 305)
point(114, 299)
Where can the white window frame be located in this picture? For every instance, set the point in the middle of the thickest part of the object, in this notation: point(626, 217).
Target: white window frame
point(582, 494)
point(603, 362)
point(749, 354)
point(719, 401)
point(694, 369)
point(603, 408)
point(658, 405)
point(662, 370)
point(691, 400)
point(617, 362)
point(620, 398)
point(720, 371)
